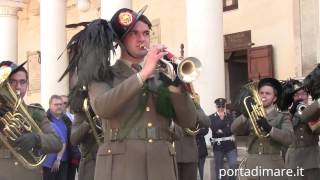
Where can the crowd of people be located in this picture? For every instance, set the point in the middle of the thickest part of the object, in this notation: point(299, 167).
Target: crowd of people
point(131, 121)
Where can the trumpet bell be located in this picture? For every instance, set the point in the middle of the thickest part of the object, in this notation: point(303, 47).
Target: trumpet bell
point(189, 69)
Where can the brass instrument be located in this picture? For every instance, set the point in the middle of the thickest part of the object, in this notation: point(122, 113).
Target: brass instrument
point(300, 108)
point(254, 108)
point(16, 122)
point(94, 122)
point(187, 70)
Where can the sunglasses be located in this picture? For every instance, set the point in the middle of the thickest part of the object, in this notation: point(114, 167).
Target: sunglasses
point(220, 106)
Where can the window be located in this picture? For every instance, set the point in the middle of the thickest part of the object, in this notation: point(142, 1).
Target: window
point(230, 5)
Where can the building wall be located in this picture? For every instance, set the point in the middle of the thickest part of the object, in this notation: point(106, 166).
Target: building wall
point(29, 31)
point(271, 22)
point(172, 20)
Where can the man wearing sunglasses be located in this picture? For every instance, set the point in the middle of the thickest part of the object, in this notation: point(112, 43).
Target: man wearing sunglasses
point(222, 137)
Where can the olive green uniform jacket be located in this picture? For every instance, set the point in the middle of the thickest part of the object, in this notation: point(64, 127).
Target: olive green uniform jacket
point(265, 152)
point(304, 152)
point(11, 169)
point(187, 150)
point(146, 152)
point(80, 134)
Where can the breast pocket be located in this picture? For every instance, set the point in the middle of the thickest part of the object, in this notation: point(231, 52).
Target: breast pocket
point(110, 160)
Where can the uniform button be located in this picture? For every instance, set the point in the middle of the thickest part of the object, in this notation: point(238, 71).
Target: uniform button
point(261, 144)
point(148, 108)
point(16, 163)
point(150, 140)
point(109, 151)
point(260, 153)
point(149, 124)
point(301, 137)
point(301, 129)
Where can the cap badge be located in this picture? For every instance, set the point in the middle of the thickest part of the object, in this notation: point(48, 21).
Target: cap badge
point(125, 18)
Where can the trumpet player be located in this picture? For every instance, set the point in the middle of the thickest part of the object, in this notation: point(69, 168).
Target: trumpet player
point(135, 106)
point(46, 142)
point(304, 152)
point(265, 152)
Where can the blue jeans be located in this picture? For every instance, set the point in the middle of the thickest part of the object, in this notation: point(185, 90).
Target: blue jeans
point(201, 162)
point(219, 162)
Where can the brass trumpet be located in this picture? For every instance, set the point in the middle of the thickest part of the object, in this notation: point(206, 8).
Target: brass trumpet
point(187, 70)
point(16, 122)
point(254, 108)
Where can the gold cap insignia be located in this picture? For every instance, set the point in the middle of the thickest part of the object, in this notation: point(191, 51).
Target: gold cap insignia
point(125, 18)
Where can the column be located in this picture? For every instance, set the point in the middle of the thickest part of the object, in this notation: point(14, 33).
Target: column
point(205, 41)
point(109, 7)
point(52, 43)
point(8, 33)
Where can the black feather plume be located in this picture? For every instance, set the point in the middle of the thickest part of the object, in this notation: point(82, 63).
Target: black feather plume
point(312, 82)
point(286, 98)
point(76, 97)
point(89, 52)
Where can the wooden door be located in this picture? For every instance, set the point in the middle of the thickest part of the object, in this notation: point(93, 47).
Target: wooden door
point(260, 62)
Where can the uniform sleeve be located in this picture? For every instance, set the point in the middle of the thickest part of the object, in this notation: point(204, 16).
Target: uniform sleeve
point(107, 101)
point(79, 129)
point(284, 135)
point(50, 143)
point(203, 119)
point(240, 126)
point(186, 115)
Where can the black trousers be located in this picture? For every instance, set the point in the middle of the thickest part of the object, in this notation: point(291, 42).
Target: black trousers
point(60, 175)
point(72, 169)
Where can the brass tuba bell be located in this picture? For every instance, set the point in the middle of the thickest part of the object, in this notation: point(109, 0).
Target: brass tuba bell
point(16, 122)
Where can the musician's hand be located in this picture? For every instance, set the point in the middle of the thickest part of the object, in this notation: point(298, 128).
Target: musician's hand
point(263, 123)
point(151, 61)
point(56, 165)
point(167, 81)
point(28, 141)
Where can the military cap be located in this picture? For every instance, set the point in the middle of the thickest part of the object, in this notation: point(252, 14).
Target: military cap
point(220, 102)
point(125, 19)
point(271, 82)
point(14, 67)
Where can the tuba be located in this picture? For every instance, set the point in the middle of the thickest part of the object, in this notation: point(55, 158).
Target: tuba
point(93, 120)
point(16, 122)
point(254, 108)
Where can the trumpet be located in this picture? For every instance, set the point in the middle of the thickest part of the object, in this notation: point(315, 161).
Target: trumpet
point(187, 70)
point(300, 108)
